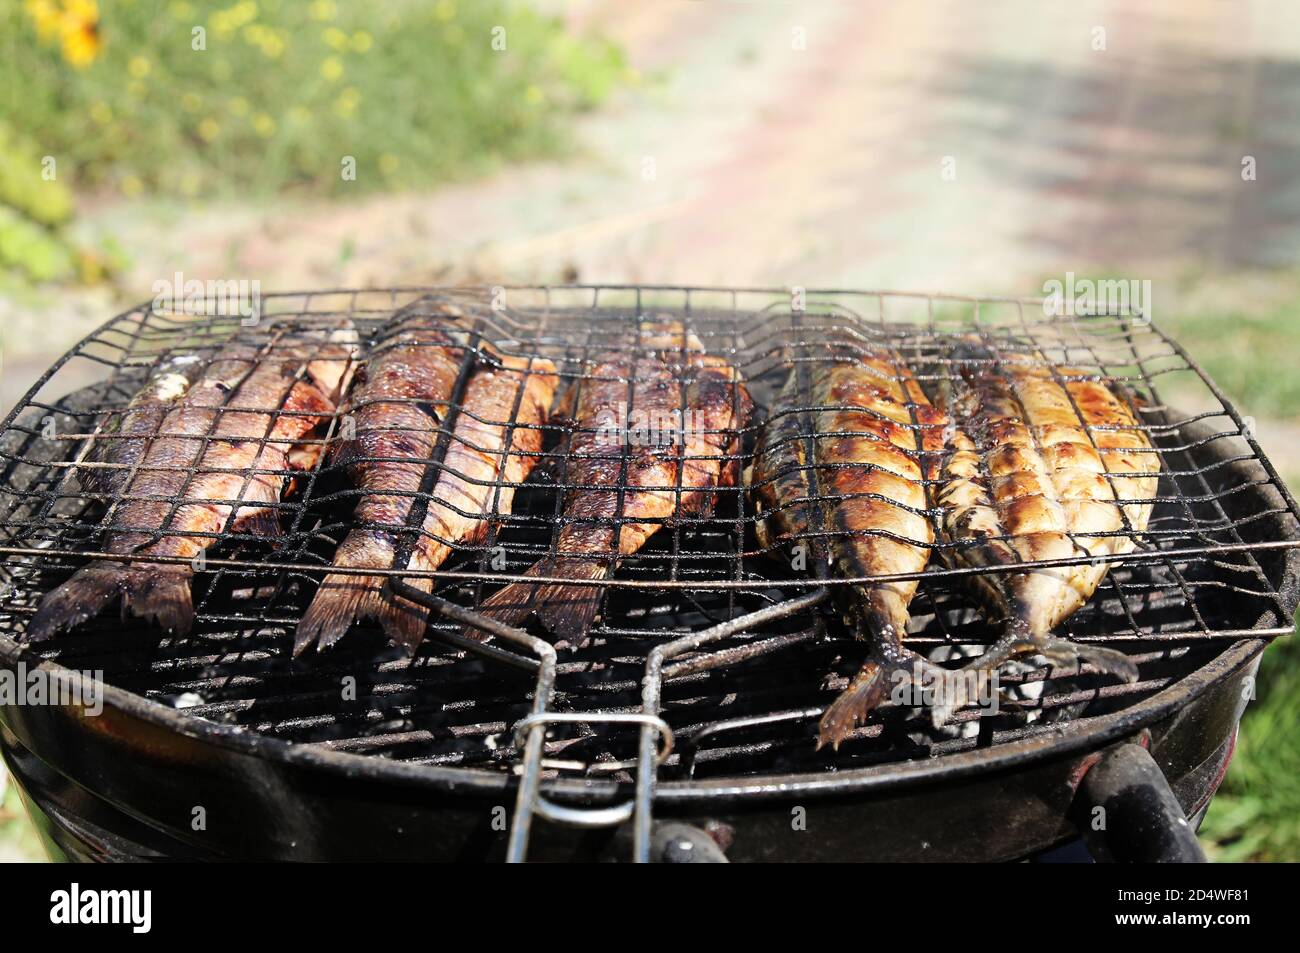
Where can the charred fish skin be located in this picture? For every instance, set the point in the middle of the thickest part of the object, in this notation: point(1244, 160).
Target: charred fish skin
point(217, 465)
point(506, 398)
point(667, 471)
point(876, 441)
point(1048, 464)
point(125, 438)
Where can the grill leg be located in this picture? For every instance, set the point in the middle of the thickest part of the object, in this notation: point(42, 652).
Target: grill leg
point(1127, 812)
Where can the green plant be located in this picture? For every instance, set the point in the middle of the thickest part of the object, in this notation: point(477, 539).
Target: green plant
point(1256, 814)
point(266, 95)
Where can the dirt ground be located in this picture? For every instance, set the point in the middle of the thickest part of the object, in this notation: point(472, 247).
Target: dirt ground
point(783, 144)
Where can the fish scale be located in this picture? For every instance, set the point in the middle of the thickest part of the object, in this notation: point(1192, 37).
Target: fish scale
point(876, 440)
point(217, 463)
point(399, 411)
point(651, 481)
point(1028, 477)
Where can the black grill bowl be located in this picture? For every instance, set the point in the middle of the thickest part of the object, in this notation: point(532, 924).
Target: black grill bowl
point(129, 782)
point(221, 746)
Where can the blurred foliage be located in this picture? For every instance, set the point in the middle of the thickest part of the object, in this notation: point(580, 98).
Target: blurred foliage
point(183, 98)
point(1256, 814)
point(34, 204)
point(1250, 351)
point(18, 840)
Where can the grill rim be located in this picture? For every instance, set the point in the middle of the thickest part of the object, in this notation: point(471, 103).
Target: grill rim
point(1070, 737)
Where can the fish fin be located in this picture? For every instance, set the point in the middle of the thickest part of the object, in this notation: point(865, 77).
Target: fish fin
point(566, 610)
point(343, 599)
point(77, 600)
point(908, 679)
point(160, 593)
point(852, 706)
point(1059, 652)
point(259, 522)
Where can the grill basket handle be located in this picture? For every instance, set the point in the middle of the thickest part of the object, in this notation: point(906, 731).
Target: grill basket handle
point(1127, 812)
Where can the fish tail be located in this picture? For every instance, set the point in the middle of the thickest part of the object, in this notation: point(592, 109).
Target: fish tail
point(907, 679)
point(160, 593)
point(1020, 640)
point(344, 599)
point(893, 670)
point(566, 610)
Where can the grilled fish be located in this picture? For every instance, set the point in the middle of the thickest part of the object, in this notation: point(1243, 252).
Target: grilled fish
point(1046, 465)
point(874, 435)
point(395, 439)
point(657, 467)
point(216, 464)
point(124, 438)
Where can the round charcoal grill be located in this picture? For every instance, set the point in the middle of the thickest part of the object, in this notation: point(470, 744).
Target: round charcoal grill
point(686, 728)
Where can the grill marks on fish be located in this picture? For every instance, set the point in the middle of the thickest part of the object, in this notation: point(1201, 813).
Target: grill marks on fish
point(217, 465)
point(399, 414)
point(125, 438)
point(624, 486)
point(876, 439)
point(1047, 465)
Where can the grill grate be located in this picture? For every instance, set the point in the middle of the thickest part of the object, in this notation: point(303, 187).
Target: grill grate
point(744, 704)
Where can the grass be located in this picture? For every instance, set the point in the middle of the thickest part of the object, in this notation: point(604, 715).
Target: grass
point(1245, 331)
point(1252, 355)
point(17, 838)
point(280, 94)
point(187, 100)
point(1256, 814)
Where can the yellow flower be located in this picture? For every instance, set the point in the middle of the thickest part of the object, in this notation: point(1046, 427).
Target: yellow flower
point(533, 95)
point(191, 102)
point(181, 10)
point(264, 125)
point(323, 10)
point(332, 68)
point(239, 106)
point(347, 102)
point(131, 186)
point(102, 113)
point(445, 9)
point(335, 38)
point(47, 16)
point(232, 18)
point(80, 47)
point(139, 67)
point(209, 129)
point(362, 41)
point(266, 39)
point(387, 164)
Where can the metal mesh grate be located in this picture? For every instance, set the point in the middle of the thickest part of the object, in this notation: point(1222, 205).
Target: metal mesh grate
point(1200, 573)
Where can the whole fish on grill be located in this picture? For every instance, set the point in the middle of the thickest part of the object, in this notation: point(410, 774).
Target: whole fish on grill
point(123, 440)
point(632, 471)
point(399, 411)
point(874, 439)
point(215, 464)
point(1047, 464)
